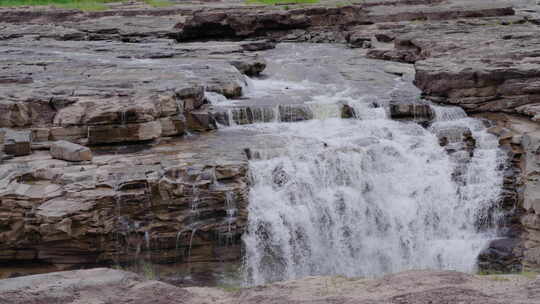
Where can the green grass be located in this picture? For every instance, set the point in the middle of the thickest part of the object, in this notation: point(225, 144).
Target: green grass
point(529, 274)
point(84, 5)
point(499, 278)
point(230, 288)
point(158, 3)
point(494, 274)
point(281, 2)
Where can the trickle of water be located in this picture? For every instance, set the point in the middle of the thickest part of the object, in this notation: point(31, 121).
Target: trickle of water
point(179, 108)
point(325, 110)
point(123, 117)
point(231, 209)
point(230, 118)
point(247, 85)
point(178, 236)
point(195, 201)
point(147, 240)
point(193, 231)
point(443, 113)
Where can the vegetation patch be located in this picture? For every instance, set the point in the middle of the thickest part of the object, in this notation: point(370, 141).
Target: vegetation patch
point(281, 2)
point(529, 274)
point(84, 5)
point(230, 288)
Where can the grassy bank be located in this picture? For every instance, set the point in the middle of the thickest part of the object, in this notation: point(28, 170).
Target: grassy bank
point(281, 2)
point(85, 5)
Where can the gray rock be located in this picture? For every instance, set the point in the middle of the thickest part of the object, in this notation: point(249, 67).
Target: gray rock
point(399, 69)
point(18, 143)
point(249, 66)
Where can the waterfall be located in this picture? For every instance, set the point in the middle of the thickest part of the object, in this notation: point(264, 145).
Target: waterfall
point(231, 209)
point(448, 113)
point(365, 196)
point(377, 197)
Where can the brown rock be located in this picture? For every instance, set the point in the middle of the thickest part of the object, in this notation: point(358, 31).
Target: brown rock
point(106, 134)
point(69, 151)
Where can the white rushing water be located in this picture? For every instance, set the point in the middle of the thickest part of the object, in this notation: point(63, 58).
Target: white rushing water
point(367, 196)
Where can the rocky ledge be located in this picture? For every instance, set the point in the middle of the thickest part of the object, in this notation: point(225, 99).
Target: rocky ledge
point(103, 285)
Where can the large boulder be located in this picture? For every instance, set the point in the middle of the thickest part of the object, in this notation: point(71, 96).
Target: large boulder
point(249, 66)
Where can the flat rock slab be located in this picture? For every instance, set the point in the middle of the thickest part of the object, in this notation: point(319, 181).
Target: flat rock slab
point(102, 285)
point(69, 151)
point(98, 285)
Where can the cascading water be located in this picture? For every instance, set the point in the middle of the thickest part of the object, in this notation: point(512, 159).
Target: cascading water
point(366, 196)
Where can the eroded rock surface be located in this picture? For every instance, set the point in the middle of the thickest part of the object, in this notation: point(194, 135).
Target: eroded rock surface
point(414, 287)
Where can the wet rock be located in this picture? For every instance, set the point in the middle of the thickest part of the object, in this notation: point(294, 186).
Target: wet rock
point(69, 151)
point(250, 67)
point(399, 69)
point(258, 45)
point(246, 115)
point(502, 256)
point(416, 112)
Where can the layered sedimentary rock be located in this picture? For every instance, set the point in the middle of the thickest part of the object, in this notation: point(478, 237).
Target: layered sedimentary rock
point(328, 23)
point(165, 201)
point(172, 200)
point(482, 65)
